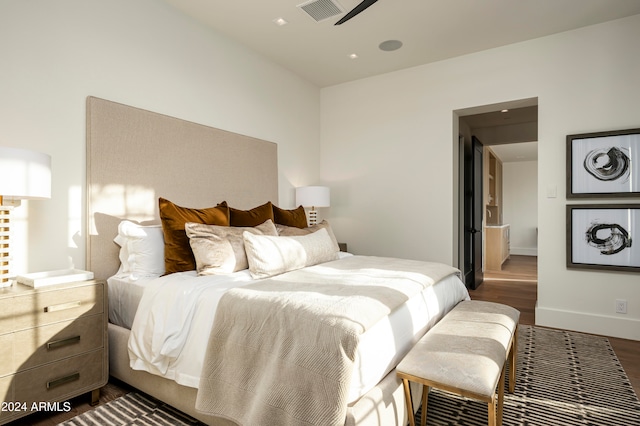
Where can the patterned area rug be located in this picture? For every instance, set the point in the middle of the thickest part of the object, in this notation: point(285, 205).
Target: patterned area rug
point(563, 379)
point(132, 409)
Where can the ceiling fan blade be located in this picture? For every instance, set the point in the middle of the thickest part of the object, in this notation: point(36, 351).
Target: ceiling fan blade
point(359, 8)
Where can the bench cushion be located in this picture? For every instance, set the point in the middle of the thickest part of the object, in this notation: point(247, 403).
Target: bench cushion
point(485, 312)
point(466, 350)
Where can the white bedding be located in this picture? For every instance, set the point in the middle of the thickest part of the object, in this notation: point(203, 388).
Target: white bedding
point(124, 296)
point(171, 329)
point(175, 316)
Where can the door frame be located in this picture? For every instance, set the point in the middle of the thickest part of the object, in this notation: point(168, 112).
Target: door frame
point(458, 164)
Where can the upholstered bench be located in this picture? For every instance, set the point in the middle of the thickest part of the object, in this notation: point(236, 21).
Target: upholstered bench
point(465, 353)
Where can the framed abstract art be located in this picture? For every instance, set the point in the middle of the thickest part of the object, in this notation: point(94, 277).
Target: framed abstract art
point(603, 236)
point(604, 164)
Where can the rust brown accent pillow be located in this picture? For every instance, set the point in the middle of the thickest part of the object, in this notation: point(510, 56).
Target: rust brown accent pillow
point(178, 256)
point(296, 217)
point(254, 217)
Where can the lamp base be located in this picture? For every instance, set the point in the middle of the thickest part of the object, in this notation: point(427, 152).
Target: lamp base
point(10, 202)
point(313, 217)
point(5, 238)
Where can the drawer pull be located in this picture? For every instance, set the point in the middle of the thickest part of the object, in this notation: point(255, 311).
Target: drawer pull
point(62, 306)
point(63, 342)
point(63, 380)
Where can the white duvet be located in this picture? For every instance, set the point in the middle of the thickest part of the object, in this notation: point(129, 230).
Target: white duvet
point(174, 319)
point(172, 325)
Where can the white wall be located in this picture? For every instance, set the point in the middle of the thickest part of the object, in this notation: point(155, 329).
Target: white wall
point(389, 152)
point(388, 145)
point(520, 197)
point(145, 54)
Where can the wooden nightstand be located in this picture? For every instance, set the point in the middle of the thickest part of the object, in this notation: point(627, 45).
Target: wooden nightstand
point(53, 346)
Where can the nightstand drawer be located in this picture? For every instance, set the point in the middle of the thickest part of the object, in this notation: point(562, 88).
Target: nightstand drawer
point(6, 394)
point(42, 307)
point(51, 342)
point(6, 354)
point(53, 382)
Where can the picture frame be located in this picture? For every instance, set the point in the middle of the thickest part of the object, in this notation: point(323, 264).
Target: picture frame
point(604, 164)
point(603, 236)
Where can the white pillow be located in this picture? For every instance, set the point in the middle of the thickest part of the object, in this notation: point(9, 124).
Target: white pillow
point(269, 256)
point(291, 231)
point(141, 249)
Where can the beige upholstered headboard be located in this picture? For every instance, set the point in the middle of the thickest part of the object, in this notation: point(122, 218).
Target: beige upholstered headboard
point(135, 156)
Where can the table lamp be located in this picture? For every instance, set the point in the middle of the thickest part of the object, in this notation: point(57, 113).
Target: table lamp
point(24, 175)
point(313, 197)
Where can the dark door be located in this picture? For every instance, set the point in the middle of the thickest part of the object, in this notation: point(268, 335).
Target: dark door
point(466, 177)
point(473, 174)
point(477, 212)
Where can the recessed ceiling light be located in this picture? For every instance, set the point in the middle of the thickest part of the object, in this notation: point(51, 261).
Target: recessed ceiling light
point(280, 22)
point(390, 45)
point(505, 110)
point(353, 56)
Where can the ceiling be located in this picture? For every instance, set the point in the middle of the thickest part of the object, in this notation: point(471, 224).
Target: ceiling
point(507, 117)
point(511, 133)
point(430, 30)
point(516, 152)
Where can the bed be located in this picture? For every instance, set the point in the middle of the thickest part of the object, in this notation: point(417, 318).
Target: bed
point(131, 163)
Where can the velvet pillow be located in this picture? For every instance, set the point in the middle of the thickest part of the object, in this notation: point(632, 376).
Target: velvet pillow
point(220, 249)
point(177, 251)
point(290, 231)
point(296, 217)
point(253, 217)
point(269, 256)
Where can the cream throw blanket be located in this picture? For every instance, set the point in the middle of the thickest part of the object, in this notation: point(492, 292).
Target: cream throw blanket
point(281, 350)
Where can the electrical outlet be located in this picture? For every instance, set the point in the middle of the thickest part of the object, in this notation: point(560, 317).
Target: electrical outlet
point(621, 306)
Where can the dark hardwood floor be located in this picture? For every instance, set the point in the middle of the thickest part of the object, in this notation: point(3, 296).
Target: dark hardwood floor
point(515, 285)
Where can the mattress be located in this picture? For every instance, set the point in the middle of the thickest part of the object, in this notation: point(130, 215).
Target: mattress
point(380, 349)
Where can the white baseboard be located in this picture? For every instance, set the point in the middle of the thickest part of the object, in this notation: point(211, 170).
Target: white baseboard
point(604, 325)
point(524, 251)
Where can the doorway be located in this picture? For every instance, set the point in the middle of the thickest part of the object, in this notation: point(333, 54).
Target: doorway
point(509, 133)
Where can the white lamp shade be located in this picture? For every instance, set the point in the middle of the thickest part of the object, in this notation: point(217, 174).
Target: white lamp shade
point(313, 196)
point(24, 174)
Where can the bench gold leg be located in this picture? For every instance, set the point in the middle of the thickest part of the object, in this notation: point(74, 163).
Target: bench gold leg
point(407, 398)
point(512, 361)
point(494, 407)
point(425, 400)
point(491, 407)
point(500, 397)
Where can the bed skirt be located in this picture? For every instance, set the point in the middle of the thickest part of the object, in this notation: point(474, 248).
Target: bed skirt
point(381, 406)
